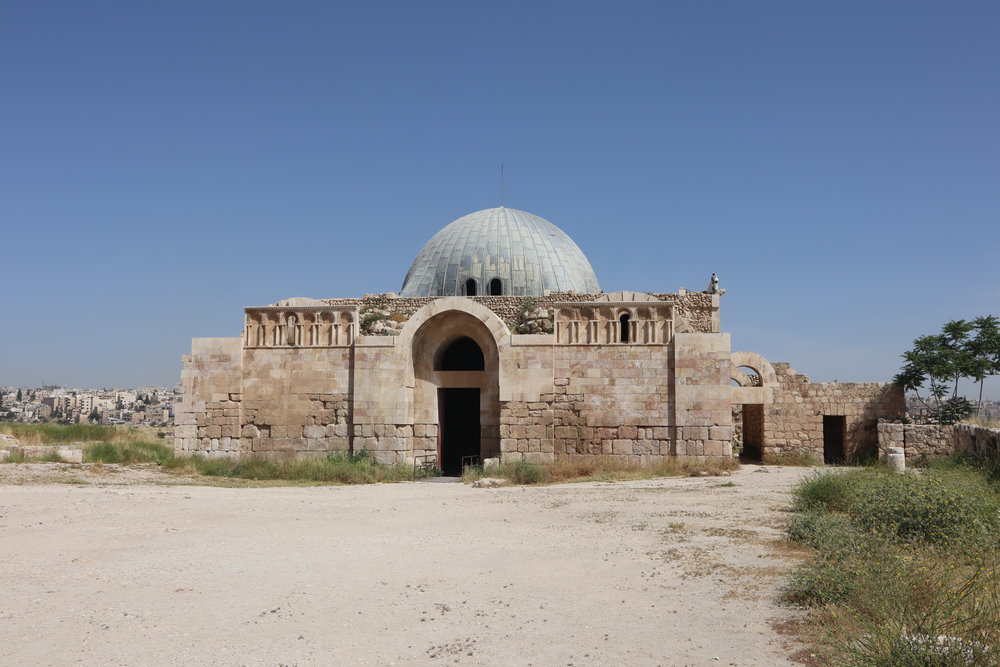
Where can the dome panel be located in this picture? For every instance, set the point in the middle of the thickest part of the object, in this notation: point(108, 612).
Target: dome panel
point(527, 253)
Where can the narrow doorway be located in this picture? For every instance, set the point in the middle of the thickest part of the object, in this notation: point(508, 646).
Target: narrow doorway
point(753, 433)
point(834, 428)
point(458, 428)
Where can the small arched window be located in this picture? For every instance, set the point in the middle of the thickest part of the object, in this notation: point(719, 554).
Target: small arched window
point(623, 325)
point(496, 287)
point(461, 354)
point(470, 287)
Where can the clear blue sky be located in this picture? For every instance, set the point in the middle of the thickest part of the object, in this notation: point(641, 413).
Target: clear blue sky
point(163, 165)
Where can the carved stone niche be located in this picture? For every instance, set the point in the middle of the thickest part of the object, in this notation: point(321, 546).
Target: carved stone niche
point(641, 322)
point(300, 326)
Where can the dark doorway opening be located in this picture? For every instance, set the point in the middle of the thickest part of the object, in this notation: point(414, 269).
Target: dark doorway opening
point(753, 433)
point(470, 287)
point(834, 428)
point(458, 428)
point(496, 287)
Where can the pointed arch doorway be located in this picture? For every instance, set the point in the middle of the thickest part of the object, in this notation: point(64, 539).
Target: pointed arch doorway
point(457, 386)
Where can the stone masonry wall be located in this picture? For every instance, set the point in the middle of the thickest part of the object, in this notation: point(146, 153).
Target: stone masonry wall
point(978, 440)
point(916, 439)
point(612, 401)
point(295, 401)
point(208, 416)
point(702, 395)
point(793, 422)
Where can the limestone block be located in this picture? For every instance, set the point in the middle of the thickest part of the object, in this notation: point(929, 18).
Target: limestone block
point(622, 447)
point(250, 431)
point(628, 432)
point(720, 433)
point(313, 432)
point(4, 455)
point(213, 431)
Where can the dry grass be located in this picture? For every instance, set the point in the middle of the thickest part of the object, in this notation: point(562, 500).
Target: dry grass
point(982, 421)
point(54, 434)
point(790, 459)
point(600, 469)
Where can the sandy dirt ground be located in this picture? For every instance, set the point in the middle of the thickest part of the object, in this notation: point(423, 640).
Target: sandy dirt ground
point(111, 568)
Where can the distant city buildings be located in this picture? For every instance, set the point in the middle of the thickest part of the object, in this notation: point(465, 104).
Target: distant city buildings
point(145, 406)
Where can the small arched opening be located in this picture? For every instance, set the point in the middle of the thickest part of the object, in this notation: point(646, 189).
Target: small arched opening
point(470, 287)
point(496, 287)
point(461, 354)
point(623, 327)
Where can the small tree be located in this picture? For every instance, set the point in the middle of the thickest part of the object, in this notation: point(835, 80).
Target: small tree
point(939, 360)
point(985, 350)
point(94, 416)
point(20, 396)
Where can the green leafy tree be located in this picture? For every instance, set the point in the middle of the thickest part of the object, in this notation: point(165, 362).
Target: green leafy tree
point(20, 396)
point(940, 360)
point(94, 416)
point(985, 350)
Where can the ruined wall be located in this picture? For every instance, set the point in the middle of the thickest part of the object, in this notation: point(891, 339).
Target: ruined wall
point(916, 439)
point(978, 440)
point(793, 421)
point(208, 415)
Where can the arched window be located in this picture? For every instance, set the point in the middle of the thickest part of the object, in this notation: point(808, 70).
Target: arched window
point(461, 354)
point(470, 287)
point(623, 325)
point(496, 287)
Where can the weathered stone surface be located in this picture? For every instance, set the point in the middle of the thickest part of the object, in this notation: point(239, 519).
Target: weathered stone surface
point(489, 483)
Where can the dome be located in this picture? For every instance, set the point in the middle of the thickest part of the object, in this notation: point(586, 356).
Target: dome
point(525, 253)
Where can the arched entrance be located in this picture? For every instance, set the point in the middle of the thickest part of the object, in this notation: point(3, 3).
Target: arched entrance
point(456, 388)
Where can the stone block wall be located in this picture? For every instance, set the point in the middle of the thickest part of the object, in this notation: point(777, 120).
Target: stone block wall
point(208, 415)
point(978, 440)
point(703, 396)
point(296, 401)
point(610, 400)
point(916, 439)
point(793, 421)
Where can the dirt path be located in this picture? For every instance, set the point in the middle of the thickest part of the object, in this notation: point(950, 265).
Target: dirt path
point(663, 572)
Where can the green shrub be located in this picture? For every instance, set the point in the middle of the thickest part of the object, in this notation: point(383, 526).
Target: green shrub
point(905, 569)
point(831, 491)
point(824, 531)
point(936, 507)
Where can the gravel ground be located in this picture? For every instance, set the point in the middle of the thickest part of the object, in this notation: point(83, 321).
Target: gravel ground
point(124, 566)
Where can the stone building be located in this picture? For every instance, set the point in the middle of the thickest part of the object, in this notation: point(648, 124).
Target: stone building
point(502, 345)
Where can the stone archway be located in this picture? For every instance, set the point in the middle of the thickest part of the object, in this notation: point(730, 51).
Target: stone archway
point(753, 379)
point(456, 388)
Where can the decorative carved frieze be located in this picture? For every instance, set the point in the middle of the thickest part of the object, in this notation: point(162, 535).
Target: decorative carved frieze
point(614, 323)
point(301, 326)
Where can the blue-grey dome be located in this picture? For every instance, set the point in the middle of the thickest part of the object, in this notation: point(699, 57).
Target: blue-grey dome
point(527, 254)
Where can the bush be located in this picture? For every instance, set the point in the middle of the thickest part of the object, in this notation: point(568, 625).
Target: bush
point(936, 507)
point(829, 491)
point(905, 568)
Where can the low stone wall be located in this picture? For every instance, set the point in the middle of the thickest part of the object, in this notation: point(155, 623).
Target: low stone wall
point(978, 440)
point(916, 439)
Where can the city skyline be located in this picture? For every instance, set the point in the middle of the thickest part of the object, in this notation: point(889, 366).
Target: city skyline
point(166, 166)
